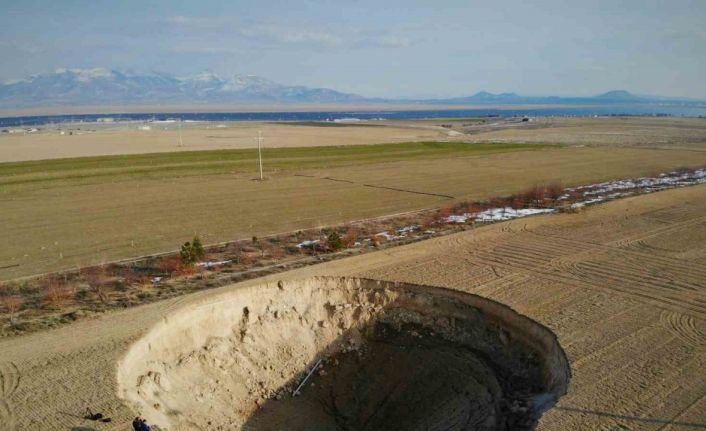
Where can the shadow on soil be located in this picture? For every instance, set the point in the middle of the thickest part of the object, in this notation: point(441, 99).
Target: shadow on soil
point(411, 372)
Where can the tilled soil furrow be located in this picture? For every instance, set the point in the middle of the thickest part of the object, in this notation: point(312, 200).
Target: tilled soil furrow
point(645, 257)
point(618, 271)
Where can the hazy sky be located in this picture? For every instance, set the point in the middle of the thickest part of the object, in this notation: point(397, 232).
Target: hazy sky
point(375, 48)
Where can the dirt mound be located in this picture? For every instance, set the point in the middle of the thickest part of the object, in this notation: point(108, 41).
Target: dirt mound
point(372, 355)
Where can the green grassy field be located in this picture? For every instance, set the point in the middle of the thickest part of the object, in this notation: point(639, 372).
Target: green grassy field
point(87, 170)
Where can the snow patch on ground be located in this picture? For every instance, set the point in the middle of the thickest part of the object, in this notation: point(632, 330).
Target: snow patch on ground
point(497, 214)
point(307, 243)
point(671, 179)
point(212, 264)
point(599, 192)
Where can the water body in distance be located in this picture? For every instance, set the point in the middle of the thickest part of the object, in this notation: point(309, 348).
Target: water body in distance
point(582, 111)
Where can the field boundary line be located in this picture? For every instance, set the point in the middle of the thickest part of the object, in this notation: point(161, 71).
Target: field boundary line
point(340, 180)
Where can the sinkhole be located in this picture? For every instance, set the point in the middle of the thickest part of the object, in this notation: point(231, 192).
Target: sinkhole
point(337, 353)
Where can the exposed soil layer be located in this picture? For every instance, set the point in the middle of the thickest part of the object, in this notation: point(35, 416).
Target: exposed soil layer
point(372, 356)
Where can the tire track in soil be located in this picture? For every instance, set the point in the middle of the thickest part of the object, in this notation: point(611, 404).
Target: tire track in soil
point(530, 262)
point(638, 413)
point(631, 266)
point(626, 241)
point(686, 327)
point(9, 382)
point(677, 424)
point(645, 257)
point(677, 384)
point(671, 215)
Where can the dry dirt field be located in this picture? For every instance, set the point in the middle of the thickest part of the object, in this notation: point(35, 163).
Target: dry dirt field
point(101, 140)
point(621, 285)
point(96, 139)
point(665, 133)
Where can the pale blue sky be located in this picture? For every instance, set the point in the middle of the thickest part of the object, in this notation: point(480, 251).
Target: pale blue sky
point(375, 48)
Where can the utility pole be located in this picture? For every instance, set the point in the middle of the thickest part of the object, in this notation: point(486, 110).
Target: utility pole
point(259, 150)
point(181, 143)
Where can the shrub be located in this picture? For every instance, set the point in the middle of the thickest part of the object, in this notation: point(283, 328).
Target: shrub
point(275, 251)
point(555, 190)
point(11, 304)
point(517, 201)
point(133, 277)
point(444, 211)
point(55, 294)
point(575, 195)
point(187, 270)
point(187, 258)
point(474, 208)
point(246, 257)
point(97, 280)
point(334, 241)
point(197, 248)
point(192, 252)
point(310, 234)
point(350, 237)
point(538, 196)
point(440, 216)
point(496, 203)
point(170, 264)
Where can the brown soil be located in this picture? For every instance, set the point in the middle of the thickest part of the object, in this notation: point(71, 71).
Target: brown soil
point(97, 140)
point(645, 132)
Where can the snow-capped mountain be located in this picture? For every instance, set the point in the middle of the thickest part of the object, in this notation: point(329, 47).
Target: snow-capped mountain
point(96, 87)
point(108, 87)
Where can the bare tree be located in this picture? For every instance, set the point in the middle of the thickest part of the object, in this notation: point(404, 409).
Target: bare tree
point(97, 281)
point(55, 293)
point(351, 236)
point(12, 304)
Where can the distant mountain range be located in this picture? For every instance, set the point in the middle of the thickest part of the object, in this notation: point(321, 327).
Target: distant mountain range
point(111, 87)
point(95, 87)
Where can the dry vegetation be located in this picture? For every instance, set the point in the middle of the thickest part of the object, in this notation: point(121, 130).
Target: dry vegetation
point(664, 133)
point(98, 140)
